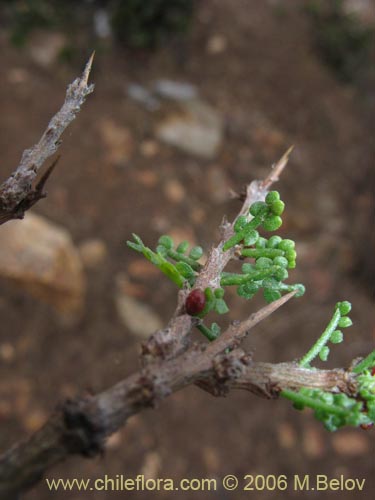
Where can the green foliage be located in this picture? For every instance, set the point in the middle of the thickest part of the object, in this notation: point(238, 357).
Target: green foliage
point(333, 410)
point(26, 16)
point(337, 410)
point(330, 334)
point(211, 333)
point(135, 23)
point(142, 24)
point(341, 40)
point(266, 268)
point(158, 260)
point(271, 258)
point(264, 214)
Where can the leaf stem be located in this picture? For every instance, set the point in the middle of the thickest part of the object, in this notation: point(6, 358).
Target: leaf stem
point(367, 362)
point(315, 404)
point(179, 257)
point(207, 332)
point(323, 339)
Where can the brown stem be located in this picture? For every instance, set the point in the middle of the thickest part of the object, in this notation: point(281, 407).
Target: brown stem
point(81, 426)
point(17, 193)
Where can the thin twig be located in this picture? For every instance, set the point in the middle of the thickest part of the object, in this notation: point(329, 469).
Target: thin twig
point(15, 192)
point(277, 169)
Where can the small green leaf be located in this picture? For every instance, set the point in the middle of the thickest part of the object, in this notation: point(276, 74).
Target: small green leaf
point(281, 261)
point(278, 207)
point(134, 246)
point(215, 329)
point(234, 240)
point(280, 273)
point(271, 295)
point(248, 290)
point(263, 263)
point(247, 268)
point(261, 243)
point(287, 245)
point(272, 197)
point(251, 237)
point(300, 289)
point(336, 337)
point(324, 352)
point(210, 296)
point(219, 293)
point(185, 270)
point(258, 208)
point(221, 306)
point(274, 241)
point(345, 307)
point(240, 223)
point(137, 239)
point(291, 254)
point(182, 247)
point(272, 223)
point(344, 322)
point(196, 253)
point(162, 250)
point(166, 241)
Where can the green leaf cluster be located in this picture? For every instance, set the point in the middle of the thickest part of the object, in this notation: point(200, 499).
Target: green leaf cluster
point(175, 262)
point(332, 333)
point(265, 214)
point(333, 410)
point(337, 410)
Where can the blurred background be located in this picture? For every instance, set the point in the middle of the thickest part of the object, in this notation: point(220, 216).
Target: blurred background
point(192, 99)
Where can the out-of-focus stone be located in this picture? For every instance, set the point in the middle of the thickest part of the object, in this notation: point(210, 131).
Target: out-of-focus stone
point(114, 441)
point(174, 190)
point(196, 129)
point(217, 184)
point(138, 317)
point(286, 435)
point(178, 235)
point(41, 258)
point(7, 352)
point(216, 44)
point(351, 444)
point(117, 140)
point(17, 75)
point(45, 47)
point(269, 139)
point(142, 269)
point(143, 96)
point(313, 442)
point(92, 252)
point(34, 419)
point(177, 91)
point(102, 24)
point(148, 178)
point(363, 9)
point(149, 148)
point(211, 459)
point(151, 465)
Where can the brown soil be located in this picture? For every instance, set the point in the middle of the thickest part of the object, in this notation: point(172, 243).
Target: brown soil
point(273, 92)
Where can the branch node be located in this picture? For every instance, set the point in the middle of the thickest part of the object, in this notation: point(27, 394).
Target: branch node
point(83, 433)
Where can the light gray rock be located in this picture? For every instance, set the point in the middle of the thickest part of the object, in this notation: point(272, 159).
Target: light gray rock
point(143, 96)
point(138, 317)
point(196, 129)
point(177, 91)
